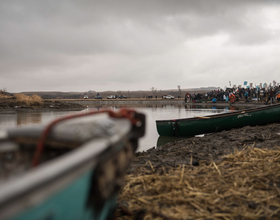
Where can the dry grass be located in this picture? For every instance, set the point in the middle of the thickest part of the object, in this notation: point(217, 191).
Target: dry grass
point(4, 95)
point(245, 185)
point(28, 100)
point(36, 99)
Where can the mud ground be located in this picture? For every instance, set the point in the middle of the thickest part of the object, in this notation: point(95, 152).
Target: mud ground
point(153, 190)
point(12, 105)
point(195, 150)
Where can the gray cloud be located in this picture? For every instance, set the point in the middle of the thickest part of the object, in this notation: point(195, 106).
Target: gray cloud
point(104, 45)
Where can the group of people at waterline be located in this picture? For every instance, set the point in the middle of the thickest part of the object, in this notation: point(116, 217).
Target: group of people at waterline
point(263, 95)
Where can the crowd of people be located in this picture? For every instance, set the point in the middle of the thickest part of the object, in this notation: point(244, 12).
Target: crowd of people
point(263, 95)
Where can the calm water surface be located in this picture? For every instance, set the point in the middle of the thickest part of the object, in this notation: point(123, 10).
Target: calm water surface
point(153, 113)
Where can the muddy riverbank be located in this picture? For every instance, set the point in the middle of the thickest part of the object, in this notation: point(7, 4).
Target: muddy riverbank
point(195, 150)
point(225, 175)
point(154, 102)
point(11, 104)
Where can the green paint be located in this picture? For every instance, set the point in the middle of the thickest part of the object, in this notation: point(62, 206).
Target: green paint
point(69, 203)
point(191, 127)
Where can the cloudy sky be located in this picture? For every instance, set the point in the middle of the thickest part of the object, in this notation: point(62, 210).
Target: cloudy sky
point(104, 45)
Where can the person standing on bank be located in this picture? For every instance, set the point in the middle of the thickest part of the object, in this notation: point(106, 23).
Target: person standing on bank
point(246, 96)
point(261, 95)
point(271, 96)
point(278, 96)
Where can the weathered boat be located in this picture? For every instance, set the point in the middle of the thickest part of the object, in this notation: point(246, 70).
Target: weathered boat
point(70, 169)
point(219, 122)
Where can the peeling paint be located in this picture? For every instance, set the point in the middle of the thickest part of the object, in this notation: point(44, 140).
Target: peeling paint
point(244, 115)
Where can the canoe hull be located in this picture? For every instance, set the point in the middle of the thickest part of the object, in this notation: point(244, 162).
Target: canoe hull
point(69, 203)
point(215, 123)
point(82, 183)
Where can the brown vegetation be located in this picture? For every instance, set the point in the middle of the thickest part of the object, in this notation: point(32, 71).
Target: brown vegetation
point(21, 102)
point(4, 95)
point(36, 99)
point(29, 100)
point(244, 185)
point(217, 176)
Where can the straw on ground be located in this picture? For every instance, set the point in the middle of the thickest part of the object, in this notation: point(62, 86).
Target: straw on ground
point(244, 185)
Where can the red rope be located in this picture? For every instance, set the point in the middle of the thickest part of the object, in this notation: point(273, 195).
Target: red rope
point(123, 113)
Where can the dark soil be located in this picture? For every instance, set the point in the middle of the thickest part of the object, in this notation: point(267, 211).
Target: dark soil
point(190, 178)
point(214, 146)
point(11, 104)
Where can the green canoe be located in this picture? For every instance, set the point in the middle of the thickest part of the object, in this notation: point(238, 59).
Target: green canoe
point(219, 122)
point(81, 166)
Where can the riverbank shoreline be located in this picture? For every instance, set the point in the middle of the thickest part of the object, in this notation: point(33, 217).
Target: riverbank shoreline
point(13, 106)
point(10, 105)
point(233, 169)
point(154, 101)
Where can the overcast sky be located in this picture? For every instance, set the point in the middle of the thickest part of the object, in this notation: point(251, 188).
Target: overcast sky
point(135, 45)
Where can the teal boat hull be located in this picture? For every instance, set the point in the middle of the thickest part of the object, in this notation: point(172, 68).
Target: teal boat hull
point(69, 203)
point(81, 183)
point(215, 123)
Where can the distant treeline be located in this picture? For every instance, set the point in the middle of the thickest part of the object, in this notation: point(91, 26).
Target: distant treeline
point(130, 94)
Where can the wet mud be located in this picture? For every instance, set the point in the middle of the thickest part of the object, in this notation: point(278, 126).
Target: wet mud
point(211, 147)
point(225, 175)
point(46, 105)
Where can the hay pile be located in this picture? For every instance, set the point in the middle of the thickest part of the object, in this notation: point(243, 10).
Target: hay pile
point(244, 185)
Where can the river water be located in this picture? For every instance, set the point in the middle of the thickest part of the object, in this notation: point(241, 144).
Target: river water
point(152, 112)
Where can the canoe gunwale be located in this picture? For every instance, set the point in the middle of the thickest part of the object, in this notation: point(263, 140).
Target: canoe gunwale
point(207, 117)
point(187, 127)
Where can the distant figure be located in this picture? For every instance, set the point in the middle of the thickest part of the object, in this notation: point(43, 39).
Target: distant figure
point(261, 95)
point(187, 97)
point(232, 98)
point(246, 96)
point(227, 96)
point(271, 96)
point(278, 96)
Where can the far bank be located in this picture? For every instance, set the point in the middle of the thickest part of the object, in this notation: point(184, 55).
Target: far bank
point(154, 101)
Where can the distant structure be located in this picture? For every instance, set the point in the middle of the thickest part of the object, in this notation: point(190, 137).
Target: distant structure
point(179, 89)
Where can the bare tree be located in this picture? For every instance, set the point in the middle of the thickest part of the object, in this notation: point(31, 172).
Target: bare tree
point(4, 90)
point(154, 90)
point(179, 90)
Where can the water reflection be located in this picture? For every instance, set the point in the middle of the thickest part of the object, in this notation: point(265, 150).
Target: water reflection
point(21, 118)
point(162, 140)
point(25, 118)
point(153, 112)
